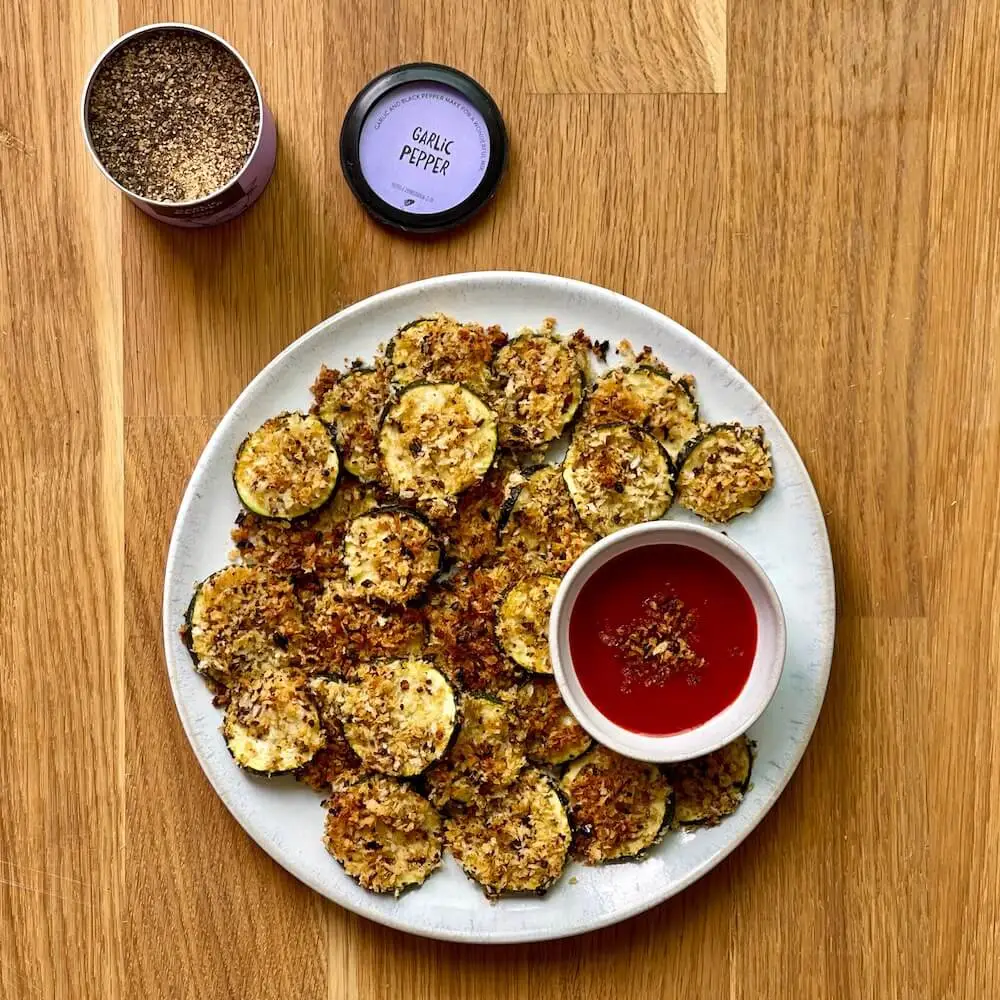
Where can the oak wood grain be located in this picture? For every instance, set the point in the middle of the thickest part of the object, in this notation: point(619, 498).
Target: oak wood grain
point(811, 188)
point(61, 528)
point(587, 47)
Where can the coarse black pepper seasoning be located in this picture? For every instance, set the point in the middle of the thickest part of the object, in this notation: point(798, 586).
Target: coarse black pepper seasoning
point(175, 119)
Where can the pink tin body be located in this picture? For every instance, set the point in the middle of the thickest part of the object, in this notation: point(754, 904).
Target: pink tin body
point(233, 198)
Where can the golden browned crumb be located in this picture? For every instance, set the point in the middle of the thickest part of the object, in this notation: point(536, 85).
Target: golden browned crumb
point(336, 765)
point(462, 635)
point(617, 475)
point(551, 733)
point(244, 618)
point(398, 716)
point(391, 555)
point(544, 533)
point(654, 646)
point(384, 833)
point(487, 755)
point(352, 405)
point(343, 630)
point(726, 472)
point(271, 723)
point(437, 441)
point(647, 397)
point(308, 545)
point(523, 622)
point(541, 386)
point(440, 349)
point(618, 805)
point(332, 767)
point(287, 467)
point(710, 788)
point(470, 532)
point(515, 841)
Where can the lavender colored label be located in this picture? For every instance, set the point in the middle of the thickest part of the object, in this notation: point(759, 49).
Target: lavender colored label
point(424, 148)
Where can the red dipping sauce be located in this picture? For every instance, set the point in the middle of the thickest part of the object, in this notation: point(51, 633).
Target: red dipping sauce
point(662, 638)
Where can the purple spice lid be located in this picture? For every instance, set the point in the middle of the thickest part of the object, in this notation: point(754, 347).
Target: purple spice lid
point(423, 147)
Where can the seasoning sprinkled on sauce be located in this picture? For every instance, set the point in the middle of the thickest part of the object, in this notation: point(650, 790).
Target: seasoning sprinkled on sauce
point(655, 644)
point(662, 638)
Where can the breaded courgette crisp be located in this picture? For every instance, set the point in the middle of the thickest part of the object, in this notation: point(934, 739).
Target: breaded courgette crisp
point(381, 630)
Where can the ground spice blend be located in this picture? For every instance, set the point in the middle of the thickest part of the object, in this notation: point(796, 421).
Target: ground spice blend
point(175, 118)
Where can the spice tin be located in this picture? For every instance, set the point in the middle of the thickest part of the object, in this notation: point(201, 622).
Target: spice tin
point(233, 197)
point(423, 147)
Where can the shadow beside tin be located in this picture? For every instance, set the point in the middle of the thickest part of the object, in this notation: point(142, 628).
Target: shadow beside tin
point(237, 194)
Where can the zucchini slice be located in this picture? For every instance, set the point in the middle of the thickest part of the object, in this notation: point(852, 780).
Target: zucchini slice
point(242, 618)
point(523, 622)
point(343, 630)
point(541, 388)
point(440, 349)
point(272, 725)
point(311, 544)
point(398, 717)
point(470, 531)
point(650, 398)
point(352, 405)
point(287, 468)
point(460, 615)
point(391, 554)
point(620, 807)
point(710, 788)
point(386, 835)
point(552, 734)
point(724, 472)
point(436, 441)
point(517, 841)
point(336, 765)
point(487, 755)
point(617, 475)
point(540, 529)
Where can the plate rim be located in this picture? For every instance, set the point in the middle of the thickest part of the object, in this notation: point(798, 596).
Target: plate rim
point(824, 651)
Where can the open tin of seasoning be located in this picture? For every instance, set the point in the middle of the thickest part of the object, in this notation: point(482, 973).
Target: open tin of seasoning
point(423, 147)
point(174, 118)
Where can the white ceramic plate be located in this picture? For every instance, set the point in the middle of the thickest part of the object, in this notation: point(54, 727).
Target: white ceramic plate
point(786, 534)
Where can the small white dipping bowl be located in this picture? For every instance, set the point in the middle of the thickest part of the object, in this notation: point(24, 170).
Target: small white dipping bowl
point(765, 671)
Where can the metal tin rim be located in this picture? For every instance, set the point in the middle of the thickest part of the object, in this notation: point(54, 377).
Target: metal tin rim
point(350, 137)
point(166, 26)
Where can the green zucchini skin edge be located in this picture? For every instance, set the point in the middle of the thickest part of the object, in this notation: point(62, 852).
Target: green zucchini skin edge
point(665, 372)
point(542, 889)
point(698, 439)
point(342, 461)
point(577, 410)
point(390, 348)
point(671, 468)
point(665, 826)
point(277, 774)
point(460, 697)
point(401, 509)
point(265, 774)
point(318, 507)
point(526, 672)
point(417, 779)
point(189, 619)
point(407, 889)
point(744, 788)
point(395, 398)
point(507, 507)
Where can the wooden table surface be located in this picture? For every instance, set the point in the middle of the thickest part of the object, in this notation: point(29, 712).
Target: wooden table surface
point(813, 188)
